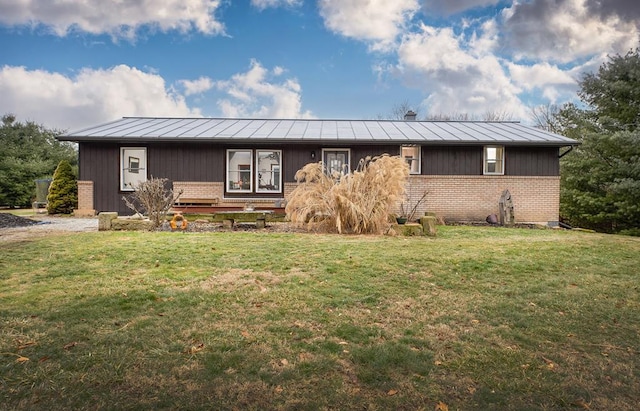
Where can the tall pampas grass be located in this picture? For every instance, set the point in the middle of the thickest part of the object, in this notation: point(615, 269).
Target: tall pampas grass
point(359, 202)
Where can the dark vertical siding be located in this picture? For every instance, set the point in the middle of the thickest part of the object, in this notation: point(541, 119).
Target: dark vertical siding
point(100, 163)
point(359, 152)
point(532, 161)
point(186, 162)
point(451, 160)
point(296, 157)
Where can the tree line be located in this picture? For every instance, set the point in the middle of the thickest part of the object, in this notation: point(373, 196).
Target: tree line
point(28, 152)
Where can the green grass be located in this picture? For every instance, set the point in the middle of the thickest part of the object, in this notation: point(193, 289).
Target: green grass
point(477, 318)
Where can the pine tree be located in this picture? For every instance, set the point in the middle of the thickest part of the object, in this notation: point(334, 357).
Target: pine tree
point(63, 192)
point(600, 186)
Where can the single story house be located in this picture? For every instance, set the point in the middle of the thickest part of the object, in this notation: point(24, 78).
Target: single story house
point(225, 163)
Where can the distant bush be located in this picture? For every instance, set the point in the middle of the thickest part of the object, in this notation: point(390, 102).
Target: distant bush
point(355, 203)
point(63, 191)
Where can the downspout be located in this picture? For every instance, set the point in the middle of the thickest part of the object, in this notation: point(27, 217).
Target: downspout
point(566, 152)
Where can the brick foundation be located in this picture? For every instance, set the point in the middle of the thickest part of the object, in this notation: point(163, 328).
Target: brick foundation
point(473, 198)
point(454, 198)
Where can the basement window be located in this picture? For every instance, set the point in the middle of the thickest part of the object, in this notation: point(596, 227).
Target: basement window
point(133, 167)
point(411, 155)
point(493, 160)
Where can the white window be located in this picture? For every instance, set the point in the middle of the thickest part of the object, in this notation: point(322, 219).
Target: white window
point(268, 168)
point(493, 160)
point(239, 171)
point(133, 167)
point(244, 175)
point(411, 155)
point(336, 161)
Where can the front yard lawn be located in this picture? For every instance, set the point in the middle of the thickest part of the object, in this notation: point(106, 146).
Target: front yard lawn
point(475, 319)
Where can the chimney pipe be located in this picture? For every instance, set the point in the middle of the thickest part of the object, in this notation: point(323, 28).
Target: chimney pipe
point(410, 115)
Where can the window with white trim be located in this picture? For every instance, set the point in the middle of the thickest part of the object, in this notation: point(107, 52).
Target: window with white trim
point(336, 161)
point(411, 154)
point(254, 171)
point(268, 168)
point(239, 171)
point(133, 167)
point(493, 160)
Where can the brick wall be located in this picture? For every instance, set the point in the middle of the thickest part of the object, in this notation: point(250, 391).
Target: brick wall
point(473, 198)
point(199, 189)
point(204, 189)
point(455, 198)
point(85, 198)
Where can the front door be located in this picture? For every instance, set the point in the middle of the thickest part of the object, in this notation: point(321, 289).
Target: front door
point(336, 161)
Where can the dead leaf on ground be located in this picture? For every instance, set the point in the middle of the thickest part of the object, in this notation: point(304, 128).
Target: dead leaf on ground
point(550, 364)
point(581, 403)
point(70, 345)
point(441, 406)
point(21, 359)
point(195, 348)
point(22, 345)
point(391, 393)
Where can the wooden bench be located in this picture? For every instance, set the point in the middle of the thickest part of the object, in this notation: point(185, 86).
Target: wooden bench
point(228, 218)
point(205, 202)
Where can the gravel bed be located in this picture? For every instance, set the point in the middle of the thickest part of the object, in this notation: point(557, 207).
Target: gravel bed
point(14, 228)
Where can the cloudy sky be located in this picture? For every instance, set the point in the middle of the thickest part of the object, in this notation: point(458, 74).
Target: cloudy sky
point(68, 64)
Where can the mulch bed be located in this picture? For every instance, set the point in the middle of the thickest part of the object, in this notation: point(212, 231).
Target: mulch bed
point(8, 220)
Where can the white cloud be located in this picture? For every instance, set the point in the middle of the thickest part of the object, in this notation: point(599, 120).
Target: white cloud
point(256, 94)
point(566, 30)
point(375, 21)
point(197, 86)
point(540, 75)
point(89, 97)
point(265, 4)
point(121, 19)
point(555, 84)
point(457, 80)
point(448, 7)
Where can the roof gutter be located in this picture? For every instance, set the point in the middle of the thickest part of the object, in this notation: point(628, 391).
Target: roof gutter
point(566, 152)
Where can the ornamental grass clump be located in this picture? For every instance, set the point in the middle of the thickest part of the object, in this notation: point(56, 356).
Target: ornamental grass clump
point(359, 202)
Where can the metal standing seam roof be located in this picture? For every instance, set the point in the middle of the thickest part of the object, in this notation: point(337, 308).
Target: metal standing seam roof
point(156, 129)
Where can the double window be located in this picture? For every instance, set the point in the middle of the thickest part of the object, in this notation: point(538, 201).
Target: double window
point(133, 167)
point(254, 171)
point(493, 160)
point(411, 155)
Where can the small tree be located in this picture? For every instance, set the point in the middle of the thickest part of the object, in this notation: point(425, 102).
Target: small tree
point(152, 198)
point(63, 192)
point(356, 203)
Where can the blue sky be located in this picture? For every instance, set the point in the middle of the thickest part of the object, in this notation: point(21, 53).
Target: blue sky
point(70, 64)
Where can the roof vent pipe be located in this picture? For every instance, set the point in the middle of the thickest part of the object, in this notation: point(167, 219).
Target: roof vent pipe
point(410, 115)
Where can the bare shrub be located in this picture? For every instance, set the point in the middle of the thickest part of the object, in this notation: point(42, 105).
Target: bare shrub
point(355, 203)
point(153, 199)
